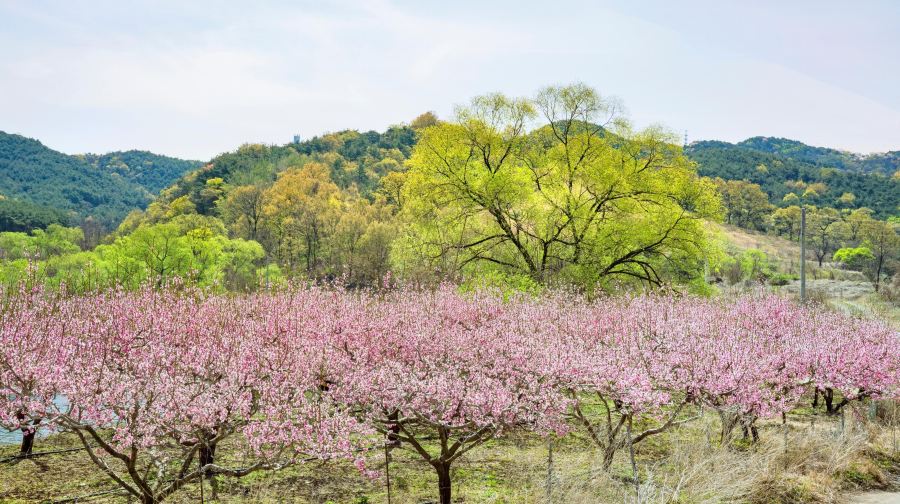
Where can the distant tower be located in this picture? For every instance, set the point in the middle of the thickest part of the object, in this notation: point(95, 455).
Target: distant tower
point(297, 138)
point(685, 138)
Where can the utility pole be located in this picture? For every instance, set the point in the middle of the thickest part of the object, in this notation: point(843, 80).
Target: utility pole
point(803, 254)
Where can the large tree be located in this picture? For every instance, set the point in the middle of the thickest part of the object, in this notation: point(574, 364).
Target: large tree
point(582, 195)
point(825, 230)
point(884, 242)
point(746, 204)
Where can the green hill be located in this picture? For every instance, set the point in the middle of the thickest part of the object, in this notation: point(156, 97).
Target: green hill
point(40, 186)
point(151, 171)
point(820, 176)
point(884, 163)
point(354, 158)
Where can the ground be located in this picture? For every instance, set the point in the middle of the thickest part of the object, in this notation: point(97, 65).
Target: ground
point(810, 460)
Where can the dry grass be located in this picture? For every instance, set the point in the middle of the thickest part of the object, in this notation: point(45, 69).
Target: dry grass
point(809, 461)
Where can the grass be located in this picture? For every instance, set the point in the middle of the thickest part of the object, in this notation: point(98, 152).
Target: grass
point(808, 460)
point(844, 290)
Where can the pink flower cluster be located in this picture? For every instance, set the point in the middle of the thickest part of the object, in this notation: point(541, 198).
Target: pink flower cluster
point(311, 372)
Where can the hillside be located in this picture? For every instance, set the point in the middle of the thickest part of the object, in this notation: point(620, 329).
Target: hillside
point(354, 158)
point(884, 163)
point(40, 186)
point(151, 171)
point(816, 175)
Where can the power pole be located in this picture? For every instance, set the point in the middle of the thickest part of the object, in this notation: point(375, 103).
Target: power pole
point(803, 254)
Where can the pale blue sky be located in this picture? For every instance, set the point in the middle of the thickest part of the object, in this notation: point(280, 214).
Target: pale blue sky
point(193, 79)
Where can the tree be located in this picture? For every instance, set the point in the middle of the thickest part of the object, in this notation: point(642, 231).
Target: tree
point(424, 121)
point(456, 377)
point(786, 221)
point(825, 230)
point(155, 380)
point(302, 210)
point(855, 258)
point(582, 198)
point(858, 220)
point(242, 209)
point(881, 237)
point(746, 204)
point(847, 200)
point(791, 199)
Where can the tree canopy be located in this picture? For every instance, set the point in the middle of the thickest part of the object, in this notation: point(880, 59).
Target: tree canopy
point(579, 195)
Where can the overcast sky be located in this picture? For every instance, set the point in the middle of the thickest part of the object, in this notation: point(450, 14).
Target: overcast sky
point(194, 79)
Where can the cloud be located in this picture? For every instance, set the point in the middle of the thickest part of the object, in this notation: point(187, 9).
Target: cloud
point(198, 78)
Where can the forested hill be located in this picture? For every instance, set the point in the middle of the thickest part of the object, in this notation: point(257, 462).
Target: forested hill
point(884, 163)
point(151, 171)
point(789, 171)
point(40, 186)
point(354, 159)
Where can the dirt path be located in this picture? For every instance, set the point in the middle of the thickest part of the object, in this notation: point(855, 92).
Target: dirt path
point(876, 498)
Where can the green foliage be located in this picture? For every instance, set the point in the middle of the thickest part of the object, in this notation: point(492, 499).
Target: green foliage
point(151, 171)
point(855, 258)
point(507, 283)
point(191, 247)
point(354, 160)
point(750, 264)
point(24, 216)
point(746, 204)
point(57, 184)
point(789, 172)
point(40, 243)
point(884, 164)
point(782, 278)
point(570, 201)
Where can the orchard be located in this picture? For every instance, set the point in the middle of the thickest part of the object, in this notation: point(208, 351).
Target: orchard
point(153, 381)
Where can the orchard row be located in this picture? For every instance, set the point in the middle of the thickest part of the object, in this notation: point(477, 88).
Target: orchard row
point(152, 381)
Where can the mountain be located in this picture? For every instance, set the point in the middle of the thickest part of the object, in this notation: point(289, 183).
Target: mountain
point(820, 176)
point(884, 163)
point(354, 158)
point(151, 171)
point(39, 185)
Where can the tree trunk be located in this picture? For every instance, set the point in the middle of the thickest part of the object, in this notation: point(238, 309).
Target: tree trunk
point(609, 454)
point(27, 442)
point(815, 403)
point(729, 422)
point(878, 272)
point(828, 395)
point(393, 435)
point(750, 431)
point(445, 487)
point(207, 456)
point(28, 435)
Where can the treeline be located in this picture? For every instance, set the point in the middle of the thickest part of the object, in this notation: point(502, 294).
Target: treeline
point(553, 189)
point(150, 171)
point(786, 180)
point(851, 237)
point(557, 188)
point(882, 163)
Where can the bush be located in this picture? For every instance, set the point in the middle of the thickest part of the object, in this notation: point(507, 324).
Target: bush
point(782, 278)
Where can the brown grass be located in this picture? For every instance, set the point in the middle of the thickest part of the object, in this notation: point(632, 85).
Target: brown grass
point(808, 461)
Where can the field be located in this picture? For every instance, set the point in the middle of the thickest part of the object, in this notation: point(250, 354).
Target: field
point(841, 289)
point(820, 463)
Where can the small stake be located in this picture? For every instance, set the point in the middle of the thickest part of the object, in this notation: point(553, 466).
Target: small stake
point(549, 470)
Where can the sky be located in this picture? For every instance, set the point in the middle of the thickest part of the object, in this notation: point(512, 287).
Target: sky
point(194, 79)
